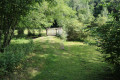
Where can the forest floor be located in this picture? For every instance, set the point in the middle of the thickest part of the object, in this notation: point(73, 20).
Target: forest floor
point(54, 59)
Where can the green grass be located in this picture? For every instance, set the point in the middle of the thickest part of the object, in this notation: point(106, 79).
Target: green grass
point(77, 61)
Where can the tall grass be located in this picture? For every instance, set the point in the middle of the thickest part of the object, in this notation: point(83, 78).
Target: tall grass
point(13, 57)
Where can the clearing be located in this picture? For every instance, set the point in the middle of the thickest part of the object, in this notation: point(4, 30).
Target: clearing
point(77, 61)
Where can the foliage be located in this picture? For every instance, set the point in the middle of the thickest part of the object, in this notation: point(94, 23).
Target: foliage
point(12, 11)
point(37, 17)
point(109, 41)
point(109, 38)
point(101, 20)
point(30, 21)
point(76, 31)
point(84, 10)
point(10, 16)
point(13, 57)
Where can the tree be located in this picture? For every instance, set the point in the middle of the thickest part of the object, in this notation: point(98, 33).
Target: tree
point(56, 15)
point(84, 10)
point(102, 18)
point(30, 21)
point(109, 39)
point(10, 14)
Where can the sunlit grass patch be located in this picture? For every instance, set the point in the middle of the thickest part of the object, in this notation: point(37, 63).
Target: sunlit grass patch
point(51, 39)
point(73, 43)
point(20, 41)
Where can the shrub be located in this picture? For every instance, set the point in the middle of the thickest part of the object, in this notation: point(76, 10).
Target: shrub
point(109, 41)
point(101, 20)
point(63, 36)
point(13, 57)
point(76, 31)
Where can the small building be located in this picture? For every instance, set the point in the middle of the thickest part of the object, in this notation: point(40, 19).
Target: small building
point(54, 31)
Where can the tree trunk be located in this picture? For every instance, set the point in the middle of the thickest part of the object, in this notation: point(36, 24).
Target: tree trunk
point(0, 39)
point(20, 32)
point(7, 35)
point(39, 32)
point(33, 31)
point(46, 32)
point(29, 32)
point(7, 39)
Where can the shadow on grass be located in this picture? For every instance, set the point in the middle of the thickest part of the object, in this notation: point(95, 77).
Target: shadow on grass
point(76, 62)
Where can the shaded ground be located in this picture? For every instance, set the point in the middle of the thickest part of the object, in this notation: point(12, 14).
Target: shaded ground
point(77, 61)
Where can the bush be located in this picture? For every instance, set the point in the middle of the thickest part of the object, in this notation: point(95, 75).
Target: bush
point(63, 36)
point(76, 35)
point(13, 57)
point(101, 20)
point(76, 31)
point(109, 41)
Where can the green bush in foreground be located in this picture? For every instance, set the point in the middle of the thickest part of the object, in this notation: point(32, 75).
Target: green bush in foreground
point(13, 57)
point(109, 41)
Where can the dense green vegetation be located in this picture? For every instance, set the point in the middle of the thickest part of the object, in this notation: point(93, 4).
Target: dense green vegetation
point(14, 56)
point(108, 36)
point(93, 22)
point(49, 61)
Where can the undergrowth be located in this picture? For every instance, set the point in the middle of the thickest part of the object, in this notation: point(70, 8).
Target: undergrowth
point(13, 57)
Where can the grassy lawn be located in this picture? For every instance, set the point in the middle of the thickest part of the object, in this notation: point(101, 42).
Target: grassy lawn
point(77, 61)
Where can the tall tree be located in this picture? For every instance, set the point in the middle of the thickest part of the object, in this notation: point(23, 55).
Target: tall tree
point(10, 14)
